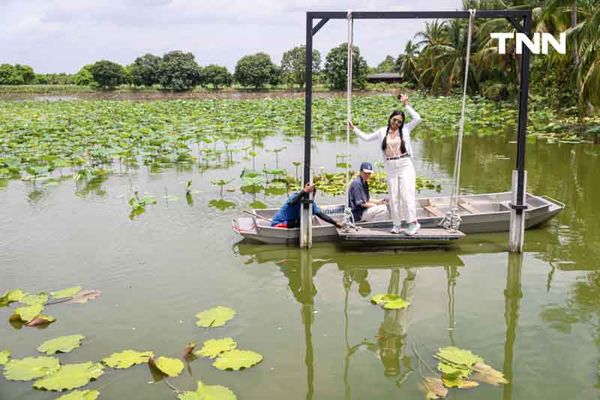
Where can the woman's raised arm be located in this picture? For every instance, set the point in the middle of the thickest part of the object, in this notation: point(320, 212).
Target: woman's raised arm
point(415, 118)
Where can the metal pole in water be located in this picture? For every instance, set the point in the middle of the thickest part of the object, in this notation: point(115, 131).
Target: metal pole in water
point(306, 207)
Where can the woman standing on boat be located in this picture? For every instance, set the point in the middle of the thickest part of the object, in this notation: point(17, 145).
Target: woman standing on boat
point(396, 147)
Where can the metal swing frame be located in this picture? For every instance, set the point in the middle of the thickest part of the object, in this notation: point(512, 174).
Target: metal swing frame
point(520, 19)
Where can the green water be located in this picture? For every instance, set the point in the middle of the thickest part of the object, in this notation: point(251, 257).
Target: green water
point(535, 317)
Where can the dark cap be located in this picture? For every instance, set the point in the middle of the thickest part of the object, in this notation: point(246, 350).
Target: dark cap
point(366, 167)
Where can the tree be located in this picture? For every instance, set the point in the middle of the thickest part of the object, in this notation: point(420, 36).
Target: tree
point(387, 65)
point(406, 63)
point(26, 73)
point(9, 76)
point(108, 74)
point(256, 70)
point(179, 71)
point(336, 67)
point(216, 76)
point(84, 76)
point(293, 65)
point(145, 70)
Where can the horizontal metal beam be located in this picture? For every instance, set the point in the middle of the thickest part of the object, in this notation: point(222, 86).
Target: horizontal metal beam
point(418, 14)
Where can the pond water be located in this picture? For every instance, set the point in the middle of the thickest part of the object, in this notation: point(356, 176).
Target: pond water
point(535, 317)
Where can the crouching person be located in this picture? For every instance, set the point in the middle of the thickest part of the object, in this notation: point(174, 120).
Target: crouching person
point(364, 208)
point(288, 215)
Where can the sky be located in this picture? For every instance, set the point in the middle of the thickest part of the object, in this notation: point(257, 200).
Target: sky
point(63, 35)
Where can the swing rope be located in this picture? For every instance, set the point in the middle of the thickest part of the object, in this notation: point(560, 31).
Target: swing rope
point(451, 220)
point(348, 221)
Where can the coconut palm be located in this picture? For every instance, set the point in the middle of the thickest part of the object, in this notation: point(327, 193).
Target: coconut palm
point(406, 63)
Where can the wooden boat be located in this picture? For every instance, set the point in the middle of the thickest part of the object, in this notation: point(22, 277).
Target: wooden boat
point(480, 213)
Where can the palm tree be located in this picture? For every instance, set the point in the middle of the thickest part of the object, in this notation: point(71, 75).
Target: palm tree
point(406, 63)
point(434, 34)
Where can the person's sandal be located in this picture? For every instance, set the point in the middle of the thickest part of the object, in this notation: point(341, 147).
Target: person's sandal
point(395, 230)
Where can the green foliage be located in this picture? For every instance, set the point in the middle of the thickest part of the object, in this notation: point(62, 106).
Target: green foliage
point(32, 299)
point(11, 296)
point(62, 344)
point(387, 65)
point(28, 368)
point(293, 65)
point(179, 71)
point(213, 347)
point(4, 357)
point(145, 70)
point(390, 301)
point(84, 76)
point(215, 75)
point(107, 74)
point(169, 366)
point(237, 359)
point(256, 71)
point(16, 74)
point(336, 68)
point(215, 317)
point(70, 376)
point(127, 358)
point(208, 392)
point(64, 293)
point(28, 313)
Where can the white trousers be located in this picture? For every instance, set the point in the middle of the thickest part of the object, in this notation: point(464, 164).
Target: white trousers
point(375, 214)
point(402, 188)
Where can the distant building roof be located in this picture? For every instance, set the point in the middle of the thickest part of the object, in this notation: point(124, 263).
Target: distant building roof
point(384, 75)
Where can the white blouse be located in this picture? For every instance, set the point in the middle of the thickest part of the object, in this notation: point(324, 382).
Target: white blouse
point(379, 134)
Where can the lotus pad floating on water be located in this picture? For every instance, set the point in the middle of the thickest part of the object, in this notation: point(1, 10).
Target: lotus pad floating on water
point(457, 367)
point(168, 366)
point(237, 359)
point(208, 392)
point(390, 301)
point(80, 395)
point(65, 293)
point(63, 344)
point(70, 376)
point(11, 296)
point(214, 317)
point(32, 299)
point(127, 358)
point(28, 313)
point(28, 368)
point(4, 357)
point(213, 347)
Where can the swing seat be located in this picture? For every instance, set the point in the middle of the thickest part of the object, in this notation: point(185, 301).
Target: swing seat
point(425, 237)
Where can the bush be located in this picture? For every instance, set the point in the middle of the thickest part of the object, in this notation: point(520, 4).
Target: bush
point(256, 70)
point(216, 76)
point(336, 68)
point(108, 74)
point(179, 71)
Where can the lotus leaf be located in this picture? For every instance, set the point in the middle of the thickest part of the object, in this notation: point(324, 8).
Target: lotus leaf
point(28, 313)
point(70, 376)
point(32, 299)
point(29, 368)
point(41, 320)
point(80, 395)
point(4, 357)
point(208, 392)
point(63, 344)
point(383, 298)
point(63, 294)
point(127, 358)
point(214, 317)
point(213, 347)
point(458, 357)
point(11, 297)
point(237, 359)
point(396, 304)
point(169, 366)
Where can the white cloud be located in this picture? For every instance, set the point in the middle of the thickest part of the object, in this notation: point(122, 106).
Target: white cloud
point(63, 35)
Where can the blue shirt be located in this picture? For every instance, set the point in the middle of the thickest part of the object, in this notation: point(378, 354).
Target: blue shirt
point(358, 194)
point(290, 211)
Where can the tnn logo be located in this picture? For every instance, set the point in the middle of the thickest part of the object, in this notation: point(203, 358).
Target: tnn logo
point(522, 39)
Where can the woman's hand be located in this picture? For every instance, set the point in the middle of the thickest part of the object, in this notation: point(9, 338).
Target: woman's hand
point(403, 98)
point(350, 125)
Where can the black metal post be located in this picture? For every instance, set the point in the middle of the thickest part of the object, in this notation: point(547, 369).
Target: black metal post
point(522, 127)
point(308, 98)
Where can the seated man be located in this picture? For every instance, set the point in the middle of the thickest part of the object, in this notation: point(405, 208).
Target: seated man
point(365, 209)
point(288, 215)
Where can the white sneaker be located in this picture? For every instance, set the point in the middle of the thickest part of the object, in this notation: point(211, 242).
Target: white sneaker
point(413, 227)
point(395, 230)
